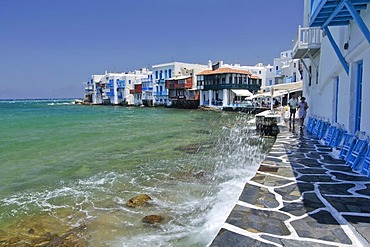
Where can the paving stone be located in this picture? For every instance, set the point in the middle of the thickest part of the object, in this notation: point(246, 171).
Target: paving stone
point(337, 189)
point(286, 172)
point(309, 162)
point(258, 196)
point(294, 191)
point(353, 177)
point(330, 160)
point(309, 203)
point(296, 165)
point(268, 158)
point(275, 181)
point(342, 168)
point(311, 170)
point(315, 178)
point(361, 223)
point(293, 243)
point(349, 204)
point(366, 191)
point(321, 225)
point(228, 238)
point(258, 220)
point(259, 178)
point(313, 155)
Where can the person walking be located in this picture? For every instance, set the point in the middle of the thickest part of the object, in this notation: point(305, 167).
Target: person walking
point(293, 108)
point(302, 106)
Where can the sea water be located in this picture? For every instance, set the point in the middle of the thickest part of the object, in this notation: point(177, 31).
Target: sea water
point(68, 168)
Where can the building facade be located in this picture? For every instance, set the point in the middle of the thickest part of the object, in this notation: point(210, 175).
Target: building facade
point(114, 88)
point(221, 85)
point(334, 46)
point(162, 72)
point(286, 68)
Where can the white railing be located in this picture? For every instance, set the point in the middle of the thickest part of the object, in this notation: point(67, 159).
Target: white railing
point(307, 37)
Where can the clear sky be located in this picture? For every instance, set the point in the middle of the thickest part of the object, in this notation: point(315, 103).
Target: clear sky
point(49, 47)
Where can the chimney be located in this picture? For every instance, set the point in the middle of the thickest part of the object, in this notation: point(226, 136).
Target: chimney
point(209, 64)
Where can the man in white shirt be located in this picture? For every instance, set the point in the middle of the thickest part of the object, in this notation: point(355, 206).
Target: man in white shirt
point(293, 103)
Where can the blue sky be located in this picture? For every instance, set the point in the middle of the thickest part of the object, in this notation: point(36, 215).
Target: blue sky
point(49, 47)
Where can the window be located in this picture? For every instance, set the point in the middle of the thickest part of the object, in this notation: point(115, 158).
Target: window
point(129, 82)
point(169, 73)
point(156, 75)
point(165, 74)
point(277, 67)
point(259, 72)
point(317, 76)
point(270, 70)
point(294, 65)
point(270, 82)
point(358, 100)
point(336, 92)
point(310, 75)
point(161, 88)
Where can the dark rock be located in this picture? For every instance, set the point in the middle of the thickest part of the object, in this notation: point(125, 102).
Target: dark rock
point(153, 219)
point(138, 200)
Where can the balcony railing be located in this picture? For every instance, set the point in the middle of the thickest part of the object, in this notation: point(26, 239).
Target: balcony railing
point(250, 87)
point(160, 94)
point(308, 38)
point(147, 89)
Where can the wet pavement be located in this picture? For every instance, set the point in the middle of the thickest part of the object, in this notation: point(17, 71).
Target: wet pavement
point(300, 196)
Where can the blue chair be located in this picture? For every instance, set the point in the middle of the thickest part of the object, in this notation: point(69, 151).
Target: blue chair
point(323, 128)
point(337, 137)
point(316, 128)
point(356, 154)
point(347, 146)
point(365, 163)
point(330, 135)
point(310, 124)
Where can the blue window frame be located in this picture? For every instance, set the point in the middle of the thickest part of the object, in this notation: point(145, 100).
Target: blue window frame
point(336, 96)
point(165, 74)
point(156, 75)
point(169, 73)
point(161, 74)
point(358, 96)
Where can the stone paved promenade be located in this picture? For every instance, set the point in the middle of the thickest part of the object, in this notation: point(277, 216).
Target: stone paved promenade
point(300, 196)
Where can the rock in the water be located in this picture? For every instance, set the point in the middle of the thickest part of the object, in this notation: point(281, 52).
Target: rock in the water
point(152, 219)
point(138, 200)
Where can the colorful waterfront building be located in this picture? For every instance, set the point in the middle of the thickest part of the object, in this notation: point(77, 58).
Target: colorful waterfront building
point(114, 88)
point(334, 46)
point(93, 91)
point(162, 72)
point(223, 84)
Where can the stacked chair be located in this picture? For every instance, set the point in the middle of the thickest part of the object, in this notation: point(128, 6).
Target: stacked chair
point(354, 149)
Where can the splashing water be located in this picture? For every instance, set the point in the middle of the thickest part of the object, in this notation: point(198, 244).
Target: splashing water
point(194, 172)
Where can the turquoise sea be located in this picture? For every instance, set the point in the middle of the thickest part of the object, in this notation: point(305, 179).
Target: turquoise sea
point(68, 170)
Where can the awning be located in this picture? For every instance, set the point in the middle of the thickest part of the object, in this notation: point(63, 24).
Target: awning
point(242, 92)
point(288, 86)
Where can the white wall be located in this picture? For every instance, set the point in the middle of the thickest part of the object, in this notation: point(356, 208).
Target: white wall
point(321, 96)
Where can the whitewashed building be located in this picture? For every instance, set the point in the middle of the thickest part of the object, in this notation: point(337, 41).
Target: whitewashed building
point(286, 68)
point(224, 84)
point(115, 88)
point(334, 46)
point(161, 72)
